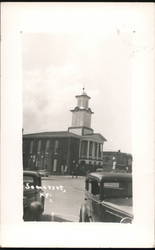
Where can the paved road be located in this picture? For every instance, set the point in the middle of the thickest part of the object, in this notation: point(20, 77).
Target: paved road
point(63, 196)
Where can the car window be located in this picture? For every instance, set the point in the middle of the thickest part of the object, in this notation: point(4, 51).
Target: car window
point(119, 189)
point(89, 186)
point(93, 187)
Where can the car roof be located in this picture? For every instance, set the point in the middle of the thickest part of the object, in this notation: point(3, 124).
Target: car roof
point(29, 172)
point(100, 176)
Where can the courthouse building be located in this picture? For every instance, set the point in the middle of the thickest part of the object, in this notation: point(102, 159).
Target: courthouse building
point(57, 152)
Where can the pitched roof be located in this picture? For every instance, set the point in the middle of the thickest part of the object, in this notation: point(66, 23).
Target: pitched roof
point(51, 134)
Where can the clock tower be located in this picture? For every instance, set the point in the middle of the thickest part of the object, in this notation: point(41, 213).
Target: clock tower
point(81, 116)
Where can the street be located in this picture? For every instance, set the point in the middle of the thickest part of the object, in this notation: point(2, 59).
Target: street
point(63, 196)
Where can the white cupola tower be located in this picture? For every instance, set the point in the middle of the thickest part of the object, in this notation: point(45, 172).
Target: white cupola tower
point(81, 116)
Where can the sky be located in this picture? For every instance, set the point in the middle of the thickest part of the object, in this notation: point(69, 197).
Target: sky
point(57, 65)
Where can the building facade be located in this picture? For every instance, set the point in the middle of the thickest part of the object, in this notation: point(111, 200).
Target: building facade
point(117, 160)
point(57, 152)
point(50, 151)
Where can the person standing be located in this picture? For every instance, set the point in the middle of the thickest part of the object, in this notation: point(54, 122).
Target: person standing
point(62, 169)
point(73, 169)
point(76, 170)
point(66, 168)
point(114, 163)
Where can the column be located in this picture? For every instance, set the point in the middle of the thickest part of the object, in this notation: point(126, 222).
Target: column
point(88, 143)
point(68, 162)
point(93, 151)
point(97, 153)
point(80, 149)
point(101, 149)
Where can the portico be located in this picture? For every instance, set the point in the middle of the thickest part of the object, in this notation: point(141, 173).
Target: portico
point(91, 149)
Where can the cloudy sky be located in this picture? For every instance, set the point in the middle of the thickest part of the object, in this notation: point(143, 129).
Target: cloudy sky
point(57, 65)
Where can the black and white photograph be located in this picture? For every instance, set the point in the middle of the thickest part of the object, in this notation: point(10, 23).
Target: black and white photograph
point(77, 125)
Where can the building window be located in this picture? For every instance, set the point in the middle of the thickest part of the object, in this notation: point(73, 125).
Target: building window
point(84, 148)
point(47, 146)
point(106, 158)
point(55, 163)
point(31, 147)
point(90, 148)
point(95, 149)
point(39, 146)
point(80, 102)
point(56, 147)
point(100, 150)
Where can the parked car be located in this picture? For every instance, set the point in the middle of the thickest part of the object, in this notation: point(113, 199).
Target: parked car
point(99, 170)
point(33, 196)
point(108, 198)
point(43, 173)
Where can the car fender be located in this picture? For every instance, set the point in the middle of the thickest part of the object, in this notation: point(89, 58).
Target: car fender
point(85, 213)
